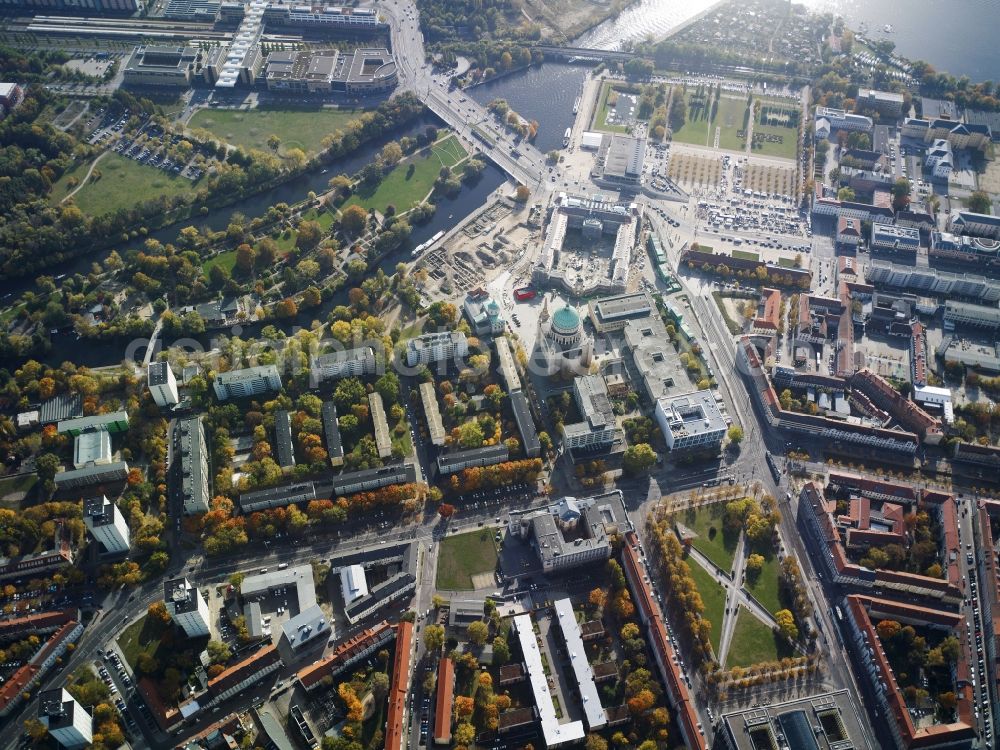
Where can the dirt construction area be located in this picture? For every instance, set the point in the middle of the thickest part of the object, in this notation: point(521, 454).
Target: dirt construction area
point(989, 180)
point(691, 170)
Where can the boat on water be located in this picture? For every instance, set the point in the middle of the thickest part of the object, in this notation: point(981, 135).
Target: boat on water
point(423, 247)
point(566, 135)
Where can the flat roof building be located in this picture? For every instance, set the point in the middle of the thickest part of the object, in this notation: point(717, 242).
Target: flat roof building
point(508, 370)
point(886, 102)
point(277, 497)
point(106, 524)
point(619, 160)
point(525, 424)
point(114, 422)
point(692, 420)
point(190, 470)
point(454, 462)
point(331, 429)
point(554, 733)
point(302, 633)
point(895, 238)
point(574, 531)
point(353, 584)
point(383, 440)
point(301, 71)
point(299, 577)
point(970, 315)
point(116, 471)
point(250, 381)
point(614, 313)
point(356, 362)
point(92, 449)
point(68, 722)
point(828, 721)
point(435, 347)
point(598, 428)
point(162, 384)
point(433, 415)
point(370, 70)
point(170, 66)
point(283, 438)
point(593, 711)
point(187, 607)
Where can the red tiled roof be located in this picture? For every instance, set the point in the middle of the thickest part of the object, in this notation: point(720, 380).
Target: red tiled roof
point(660, 643)
point(311, 675)
point(235, 674)
point(166, 716)
point(394, 729)
point(772, 310)
point(22, 679)
point(858, 607)
point(442, 706)
point(13, 627)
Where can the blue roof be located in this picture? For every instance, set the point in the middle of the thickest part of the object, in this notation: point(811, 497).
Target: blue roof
point(566, 319)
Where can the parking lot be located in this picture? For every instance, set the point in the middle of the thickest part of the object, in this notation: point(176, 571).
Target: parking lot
point(146, 143)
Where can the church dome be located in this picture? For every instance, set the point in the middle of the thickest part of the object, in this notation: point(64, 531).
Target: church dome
point(566, 320)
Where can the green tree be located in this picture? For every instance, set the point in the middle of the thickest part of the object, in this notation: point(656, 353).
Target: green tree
point(638, 458)
point(464, 734)
point(354, 219)
point(786, 625)
point(501, 651)
point(218, 652)
point(433, 638)
point(735, 433)
point(979, 202)
point(477, 632)
point(387, 387)
point(901, 190)
point(470, 434)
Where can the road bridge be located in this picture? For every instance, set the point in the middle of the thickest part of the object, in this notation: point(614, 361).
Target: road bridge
point(584, 53)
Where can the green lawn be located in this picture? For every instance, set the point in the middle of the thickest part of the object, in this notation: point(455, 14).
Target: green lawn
point(297, 128)
point(60, 188)
point(285, 238)
point(746, 255)
point(713, 595)
point(706, 522)
point(765, 586)
point(754, 642)
point(695, 130)
point(729, 117)
point(601, 113)
point(412, 179)
point(463, 556)
point(400, 434)
point(136, 639)
point(789, 136)
point(125, 182)
point(227, 260)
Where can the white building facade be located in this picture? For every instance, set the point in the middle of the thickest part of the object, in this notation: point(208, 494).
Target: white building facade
point(162, 384)
point(247, 382)
point(106, 524)
point(187, 607)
